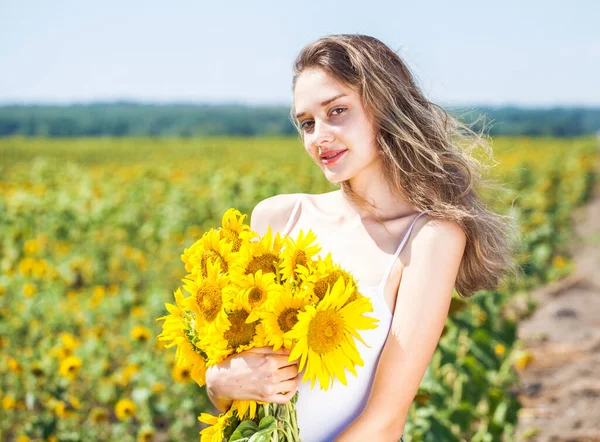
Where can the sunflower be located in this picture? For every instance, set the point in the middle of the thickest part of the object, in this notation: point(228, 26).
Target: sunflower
point(260, 255)
point(280, 316)
point(233, 228)
point(324, 334)
point(238, 336)
point(181, 374)
point(179, 329)
point(145, 435)
point(125, 409)
point(255, 289)
point(214, 433)
point(210, 248)
point(210, 295)
point(245, 407)
point(298, 253)
point(324, 275)
point(140, 333)
point(69, 367)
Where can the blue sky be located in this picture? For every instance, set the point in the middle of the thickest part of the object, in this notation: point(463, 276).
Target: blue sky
point(528, 53)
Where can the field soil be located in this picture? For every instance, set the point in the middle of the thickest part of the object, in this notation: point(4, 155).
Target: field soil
point(560, 389)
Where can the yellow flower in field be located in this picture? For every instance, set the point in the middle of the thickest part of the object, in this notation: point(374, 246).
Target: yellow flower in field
point(2, 290)
point(157, 387)
point(324, 334)
point(26, 266)
point(23, 438)
point(233, 226)
point(280, 315)
point(499, 349)
point(181, 374)
point(30, 247)
point(559, 262)
point(15, 366)
point(140, 333)
point(29, 289)
point(63, 410)
point(125, 409)
point(99, 291)
point(138, 311)
point(69, 367)
point(298, 253)
point(99, 415)
point(523, 359)
point(263, 254)
point(214, 433)
point(39, 269)
point(62, 247)
point(209, 297)
point(145, 435)
point(69, 341)
point(52, 438)
point(255, 289)
point(124, 376)
point(36, 369)
point(210, 248)
point(8, 402)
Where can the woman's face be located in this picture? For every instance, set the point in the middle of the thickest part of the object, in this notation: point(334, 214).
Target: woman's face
point(332, 118)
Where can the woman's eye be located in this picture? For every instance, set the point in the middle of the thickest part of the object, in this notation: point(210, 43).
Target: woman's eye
point(304, 124)
point(342, 109)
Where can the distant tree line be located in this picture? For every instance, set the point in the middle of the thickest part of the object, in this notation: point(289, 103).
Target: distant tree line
point(123, 119)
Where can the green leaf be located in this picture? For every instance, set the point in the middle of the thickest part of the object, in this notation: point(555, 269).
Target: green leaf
point(267, 422)
point(263, 435)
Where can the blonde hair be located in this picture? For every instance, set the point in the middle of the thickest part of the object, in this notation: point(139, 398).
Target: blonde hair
point(426, 153)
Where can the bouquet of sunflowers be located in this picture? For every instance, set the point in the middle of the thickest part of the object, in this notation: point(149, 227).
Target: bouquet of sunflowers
point(272, 291)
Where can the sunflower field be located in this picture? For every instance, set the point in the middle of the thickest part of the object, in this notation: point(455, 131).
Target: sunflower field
point(91, 235)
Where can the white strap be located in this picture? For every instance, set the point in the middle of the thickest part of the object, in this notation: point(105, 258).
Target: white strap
point(401, 246)
point(291, 219)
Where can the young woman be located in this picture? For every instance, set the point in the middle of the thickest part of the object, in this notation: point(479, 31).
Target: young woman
point(406, 222)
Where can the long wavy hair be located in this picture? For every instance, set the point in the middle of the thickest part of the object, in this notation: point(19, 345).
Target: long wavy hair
point(426, 153)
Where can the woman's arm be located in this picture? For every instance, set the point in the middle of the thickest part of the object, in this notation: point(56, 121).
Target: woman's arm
point(419, 316)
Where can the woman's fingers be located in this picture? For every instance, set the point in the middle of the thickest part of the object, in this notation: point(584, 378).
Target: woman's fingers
point(279, 361)
point(286, 373)
point(286, 389)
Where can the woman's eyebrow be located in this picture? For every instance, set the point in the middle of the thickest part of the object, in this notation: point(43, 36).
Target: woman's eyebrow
point(324, 103)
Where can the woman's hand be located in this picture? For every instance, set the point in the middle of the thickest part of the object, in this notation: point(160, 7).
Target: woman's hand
point(258, 374)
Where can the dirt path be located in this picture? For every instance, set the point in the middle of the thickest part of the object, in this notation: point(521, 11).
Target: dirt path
point(560, 389)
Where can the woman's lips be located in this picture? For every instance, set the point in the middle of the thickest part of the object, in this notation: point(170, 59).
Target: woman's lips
point(335, 158)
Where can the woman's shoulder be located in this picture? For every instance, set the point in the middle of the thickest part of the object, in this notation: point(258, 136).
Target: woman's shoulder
point(435, 234)
point(273, 211)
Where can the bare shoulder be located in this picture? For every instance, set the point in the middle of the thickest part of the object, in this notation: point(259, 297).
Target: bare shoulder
point(444, 238)
point(273, 211)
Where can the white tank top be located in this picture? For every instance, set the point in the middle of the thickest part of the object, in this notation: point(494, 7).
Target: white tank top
point(323, 415)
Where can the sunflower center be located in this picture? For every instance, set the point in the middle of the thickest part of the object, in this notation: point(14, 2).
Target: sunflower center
point(325, 332)
point(232, 237)
point(299, 258)
point(256, 297)
point(213, 256)
point(322, 284)
point(287, 319)
point(264, 262)
point(239, 332)
point(208, 298)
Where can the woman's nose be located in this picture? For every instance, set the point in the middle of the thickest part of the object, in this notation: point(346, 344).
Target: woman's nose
point(322, 133)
